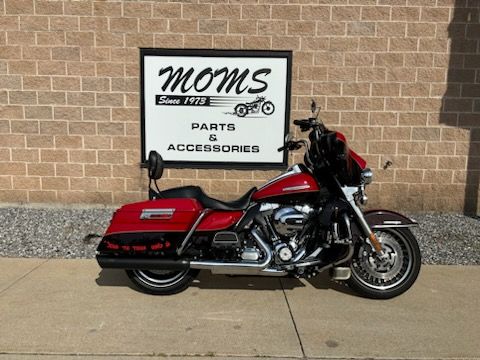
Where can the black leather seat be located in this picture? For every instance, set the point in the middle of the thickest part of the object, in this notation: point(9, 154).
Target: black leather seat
point(196, 192)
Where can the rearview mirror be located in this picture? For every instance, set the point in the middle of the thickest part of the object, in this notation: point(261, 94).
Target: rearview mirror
point(313, 106)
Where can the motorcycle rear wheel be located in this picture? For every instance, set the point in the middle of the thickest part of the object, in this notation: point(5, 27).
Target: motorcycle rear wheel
point(384, 279)
point(162, 282)
point(241, 110)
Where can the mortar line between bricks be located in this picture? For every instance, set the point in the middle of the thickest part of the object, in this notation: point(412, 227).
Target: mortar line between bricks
point(293, 320)
point(21, 278)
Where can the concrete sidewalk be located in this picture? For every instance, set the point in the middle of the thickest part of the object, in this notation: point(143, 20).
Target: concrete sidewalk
point(52, 309)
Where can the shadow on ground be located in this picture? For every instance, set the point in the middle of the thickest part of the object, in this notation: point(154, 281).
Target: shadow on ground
point(205, 280)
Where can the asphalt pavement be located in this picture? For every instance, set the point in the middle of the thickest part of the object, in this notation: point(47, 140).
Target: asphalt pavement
point(58, 308)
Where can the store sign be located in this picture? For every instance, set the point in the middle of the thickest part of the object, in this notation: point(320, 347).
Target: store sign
point(215, 108)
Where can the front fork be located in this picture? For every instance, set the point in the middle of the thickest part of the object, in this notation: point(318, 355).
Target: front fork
point(349, 195)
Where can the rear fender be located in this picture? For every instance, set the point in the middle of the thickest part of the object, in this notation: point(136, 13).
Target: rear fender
point(381, 219)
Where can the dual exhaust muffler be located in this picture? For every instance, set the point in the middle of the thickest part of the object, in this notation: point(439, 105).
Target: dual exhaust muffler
point(216, 267)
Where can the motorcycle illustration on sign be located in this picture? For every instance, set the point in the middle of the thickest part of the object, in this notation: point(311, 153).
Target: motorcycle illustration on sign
point(254, 107)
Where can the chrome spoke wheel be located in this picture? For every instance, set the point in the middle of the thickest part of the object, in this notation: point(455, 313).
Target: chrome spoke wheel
point(389, 271)
point(160, 278)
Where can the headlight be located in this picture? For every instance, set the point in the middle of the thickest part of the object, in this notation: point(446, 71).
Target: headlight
point(367, 176)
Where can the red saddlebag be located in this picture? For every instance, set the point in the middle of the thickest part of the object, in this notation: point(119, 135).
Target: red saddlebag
point(150, 227)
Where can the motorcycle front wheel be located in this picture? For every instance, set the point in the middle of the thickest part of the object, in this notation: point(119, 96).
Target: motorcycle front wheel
point(268, 108)
point(385, 278)
point(162, 282)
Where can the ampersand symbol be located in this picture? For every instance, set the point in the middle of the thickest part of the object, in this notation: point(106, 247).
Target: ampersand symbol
point(213, 137)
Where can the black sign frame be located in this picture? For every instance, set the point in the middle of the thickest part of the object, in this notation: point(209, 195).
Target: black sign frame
point(217, 53)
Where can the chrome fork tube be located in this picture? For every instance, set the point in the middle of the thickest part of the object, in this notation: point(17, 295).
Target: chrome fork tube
point(349, 192)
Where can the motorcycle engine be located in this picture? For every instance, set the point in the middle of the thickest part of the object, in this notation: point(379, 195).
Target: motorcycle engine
point(288, 222)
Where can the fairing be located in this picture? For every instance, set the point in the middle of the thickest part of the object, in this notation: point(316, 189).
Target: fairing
point(351, 155)
point(350, 166)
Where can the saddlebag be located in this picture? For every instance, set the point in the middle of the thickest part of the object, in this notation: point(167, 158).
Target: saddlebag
point(153, 227)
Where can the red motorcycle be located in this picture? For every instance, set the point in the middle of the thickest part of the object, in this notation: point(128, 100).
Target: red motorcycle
point(302, 222)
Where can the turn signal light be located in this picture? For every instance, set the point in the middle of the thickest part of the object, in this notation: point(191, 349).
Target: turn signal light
point(366, 176)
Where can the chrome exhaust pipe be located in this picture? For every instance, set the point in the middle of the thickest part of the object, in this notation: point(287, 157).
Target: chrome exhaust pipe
point(242, 268)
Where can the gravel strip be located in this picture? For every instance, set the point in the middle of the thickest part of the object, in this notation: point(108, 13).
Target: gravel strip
point(446, 239)
point(52, 232)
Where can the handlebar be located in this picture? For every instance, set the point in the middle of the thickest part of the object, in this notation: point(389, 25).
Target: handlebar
point(306, 124)
point(292, 145)
point(300, 122)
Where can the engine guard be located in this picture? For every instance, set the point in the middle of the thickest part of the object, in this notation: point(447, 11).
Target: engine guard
point(381, 219)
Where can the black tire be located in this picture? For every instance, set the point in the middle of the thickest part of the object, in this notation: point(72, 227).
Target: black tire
point(268, 108)
point(392, 277)
point(241, 110)
point(162, 282)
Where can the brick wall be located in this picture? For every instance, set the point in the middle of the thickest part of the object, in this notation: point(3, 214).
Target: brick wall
point(400, 78)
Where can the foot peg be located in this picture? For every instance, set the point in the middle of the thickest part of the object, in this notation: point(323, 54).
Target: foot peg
point(340, 273)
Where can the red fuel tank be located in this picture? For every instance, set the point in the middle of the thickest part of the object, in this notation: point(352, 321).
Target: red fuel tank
point(294, 181)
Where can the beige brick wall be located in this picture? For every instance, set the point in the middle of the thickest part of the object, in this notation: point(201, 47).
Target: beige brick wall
point(401, 79)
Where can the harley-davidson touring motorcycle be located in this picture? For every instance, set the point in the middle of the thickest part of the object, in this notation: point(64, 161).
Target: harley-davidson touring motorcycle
point(307, 220)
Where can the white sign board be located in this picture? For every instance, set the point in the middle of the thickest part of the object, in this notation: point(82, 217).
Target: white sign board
point(215, 108)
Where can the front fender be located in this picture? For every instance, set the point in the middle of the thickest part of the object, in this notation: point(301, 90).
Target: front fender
point(381, 219)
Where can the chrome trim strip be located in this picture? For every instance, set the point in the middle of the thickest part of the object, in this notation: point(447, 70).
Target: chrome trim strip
point(268, 206)
point(298, 187)
point(295, 169)
point(192, 230)
point(152, 214)
point(393, 226)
